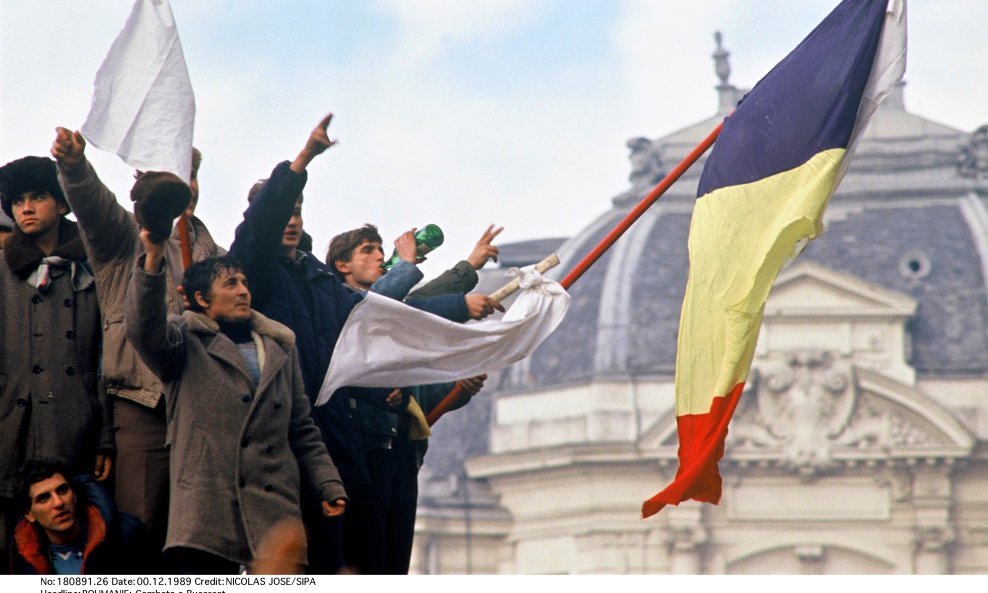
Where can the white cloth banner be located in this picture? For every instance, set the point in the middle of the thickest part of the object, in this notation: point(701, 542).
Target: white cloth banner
point(385, 343)
point(143, 107)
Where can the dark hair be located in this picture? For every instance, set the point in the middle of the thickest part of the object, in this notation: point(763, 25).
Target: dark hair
point(342, 246)
point(200, 275)
point(256, 189)
point(35, 471)
point(29, 174)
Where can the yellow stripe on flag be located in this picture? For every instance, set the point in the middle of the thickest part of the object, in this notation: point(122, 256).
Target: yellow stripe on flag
point(740, 237)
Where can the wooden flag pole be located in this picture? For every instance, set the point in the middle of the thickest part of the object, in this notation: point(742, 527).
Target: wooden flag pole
point(183, 239)
point(588, 260)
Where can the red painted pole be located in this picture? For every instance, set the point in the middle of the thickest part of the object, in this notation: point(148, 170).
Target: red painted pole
point(636, 213)
point(588, 260)
point(183, 239)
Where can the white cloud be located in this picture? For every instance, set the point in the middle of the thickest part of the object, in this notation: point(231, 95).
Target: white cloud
point(541, 155)
point(425, 28)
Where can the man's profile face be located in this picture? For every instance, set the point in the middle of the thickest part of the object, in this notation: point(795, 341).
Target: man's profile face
point(53, 505)
point(36, 212)
point(364, 267)
point(228, 299)
point(293, 230)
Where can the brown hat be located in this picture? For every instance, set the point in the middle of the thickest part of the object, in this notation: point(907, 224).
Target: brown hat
point(159, 198)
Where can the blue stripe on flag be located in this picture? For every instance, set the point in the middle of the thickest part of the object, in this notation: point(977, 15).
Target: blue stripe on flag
point(807, 104)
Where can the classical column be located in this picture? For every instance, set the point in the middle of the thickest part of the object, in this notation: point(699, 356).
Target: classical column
point(934, 526)
point(931, 550)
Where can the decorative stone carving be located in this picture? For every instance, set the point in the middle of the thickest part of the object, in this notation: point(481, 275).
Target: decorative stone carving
point(807, 406)
point(646, 164)
point(932, 546)
point(722, 66)
point(899, 482)
point(973, 160)
point(803, 405)
point(685, 547)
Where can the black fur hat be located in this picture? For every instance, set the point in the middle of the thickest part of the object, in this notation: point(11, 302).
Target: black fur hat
point(29, 174)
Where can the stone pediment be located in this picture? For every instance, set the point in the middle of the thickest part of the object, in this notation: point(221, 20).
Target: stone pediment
point(812, 413)
point(814, 307)
point(807, 289)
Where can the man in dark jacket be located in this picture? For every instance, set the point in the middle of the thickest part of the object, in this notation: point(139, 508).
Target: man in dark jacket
point(379, 526)
point(72, 527)
point(293, 287)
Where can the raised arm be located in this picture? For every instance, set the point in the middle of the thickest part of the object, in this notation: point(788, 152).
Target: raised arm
point(159, 343)
point(403, 275)
point(258, 238)
point(463, 276)
point(317, 144)
point(110, 230)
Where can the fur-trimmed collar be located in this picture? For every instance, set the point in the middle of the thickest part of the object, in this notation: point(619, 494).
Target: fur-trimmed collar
point(23, 255)
point(202, 324)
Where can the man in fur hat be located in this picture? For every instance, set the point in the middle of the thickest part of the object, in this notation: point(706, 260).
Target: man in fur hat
point(51, 405)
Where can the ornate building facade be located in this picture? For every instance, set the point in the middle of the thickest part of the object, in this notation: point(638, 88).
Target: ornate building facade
point(860, 445)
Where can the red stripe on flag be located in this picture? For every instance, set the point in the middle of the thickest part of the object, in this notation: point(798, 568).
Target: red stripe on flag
point(701, 446)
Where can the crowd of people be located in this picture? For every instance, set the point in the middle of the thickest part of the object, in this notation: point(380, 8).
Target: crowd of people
point(157, 390)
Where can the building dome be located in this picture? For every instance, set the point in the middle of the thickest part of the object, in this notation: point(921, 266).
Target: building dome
point(886, 312)
point(909, 216)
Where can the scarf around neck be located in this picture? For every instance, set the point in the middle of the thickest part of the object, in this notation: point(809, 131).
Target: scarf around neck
point(28, 262)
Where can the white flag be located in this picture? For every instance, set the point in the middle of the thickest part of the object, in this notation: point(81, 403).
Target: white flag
point(385, 343)
point(143, 107)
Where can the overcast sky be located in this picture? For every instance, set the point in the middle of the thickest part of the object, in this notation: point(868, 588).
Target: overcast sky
point(457, 112)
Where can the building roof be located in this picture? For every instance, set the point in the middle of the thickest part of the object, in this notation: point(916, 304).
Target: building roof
point(910, 216)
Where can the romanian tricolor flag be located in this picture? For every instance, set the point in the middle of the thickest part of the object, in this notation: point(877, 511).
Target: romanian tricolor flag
point(762, 195)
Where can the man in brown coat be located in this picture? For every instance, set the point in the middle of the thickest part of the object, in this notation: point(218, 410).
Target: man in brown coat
point(50, 405)
point(239, 424)
point(113, 245)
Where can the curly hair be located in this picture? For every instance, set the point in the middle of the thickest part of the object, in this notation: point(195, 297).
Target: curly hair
point(35, 471)
point(200, 275)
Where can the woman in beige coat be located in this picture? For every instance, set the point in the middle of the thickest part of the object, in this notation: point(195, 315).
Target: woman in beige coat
point(239, 424)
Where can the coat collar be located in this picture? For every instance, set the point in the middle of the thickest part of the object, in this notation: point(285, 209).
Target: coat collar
point(274, 357)
point(23, 255)
point(32, 545)
point(201, 324)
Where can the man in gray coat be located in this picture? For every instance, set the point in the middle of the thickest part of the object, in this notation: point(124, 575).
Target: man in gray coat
point(239, 423)
point(50, 403)
point(113, 246)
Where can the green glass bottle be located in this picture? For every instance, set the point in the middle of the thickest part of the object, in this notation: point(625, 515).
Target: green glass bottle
point(427, 238)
